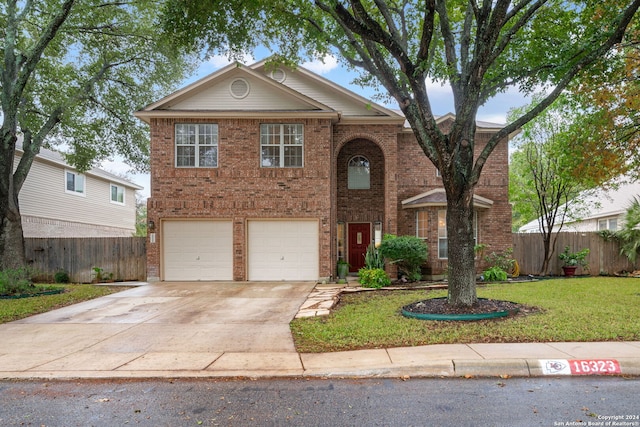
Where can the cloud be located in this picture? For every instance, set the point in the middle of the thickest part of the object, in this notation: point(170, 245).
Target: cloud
point(321, 66)
point(438, 88)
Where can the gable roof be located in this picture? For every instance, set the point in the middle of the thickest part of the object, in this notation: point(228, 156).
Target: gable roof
point(55, 158)
point(437, 197)
point(353, 107)
point(302, 94)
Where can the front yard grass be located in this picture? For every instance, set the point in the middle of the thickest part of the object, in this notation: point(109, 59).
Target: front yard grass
point(15, 309)
point(580, 309)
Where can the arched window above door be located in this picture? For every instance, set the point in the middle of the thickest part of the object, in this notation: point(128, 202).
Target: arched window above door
point(359, 174)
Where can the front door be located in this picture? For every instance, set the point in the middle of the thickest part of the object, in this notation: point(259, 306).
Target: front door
point(359, 239)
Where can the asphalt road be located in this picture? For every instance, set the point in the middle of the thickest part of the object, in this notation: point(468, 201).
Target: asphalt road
point(587, 401)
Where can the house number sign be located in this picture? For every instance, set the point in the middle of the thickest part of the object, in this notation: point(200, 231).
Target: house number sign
point(580, 367)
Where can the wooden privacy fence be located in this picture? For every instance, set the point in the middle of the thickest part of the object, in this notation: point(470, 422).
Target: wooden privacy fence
point(120, 258)
point(604, 256)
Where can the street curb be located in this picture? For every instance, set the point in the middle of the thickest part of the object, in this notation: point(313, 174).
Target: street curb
point(465, 368)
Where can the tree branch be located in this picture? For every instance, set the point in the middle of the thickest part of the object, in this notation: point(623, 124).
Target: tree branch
point(615, 37)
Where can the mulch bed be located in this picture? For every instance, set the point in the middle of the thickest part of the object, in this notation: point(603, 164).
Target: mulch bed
point(440, 306)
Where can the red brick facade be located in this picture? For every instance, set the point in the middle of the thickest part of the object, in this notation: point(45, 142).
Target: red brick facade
point(259, 223)
point(240, 190)
point(417, 175)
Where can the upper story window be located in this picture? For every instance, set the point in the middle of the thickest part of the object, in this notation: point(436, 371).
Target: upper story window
point(359, 173)
point(196, 145)
point(281, 145)
point(117, 194)
point(608, 224)
point(74, 183)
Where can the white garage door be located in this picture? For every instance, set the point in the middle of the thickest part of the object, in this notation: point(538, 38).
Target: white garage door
point(283, 250)
point(198, 250)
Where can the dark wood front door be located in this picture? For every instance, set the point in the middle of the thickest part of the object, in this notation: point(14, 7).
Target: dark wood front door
point(359, 239)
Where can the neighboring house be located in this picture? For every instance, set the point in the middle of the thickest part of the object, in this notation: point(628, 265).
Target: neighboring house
point(262, 173)
point(600, 210)
point(58, 201)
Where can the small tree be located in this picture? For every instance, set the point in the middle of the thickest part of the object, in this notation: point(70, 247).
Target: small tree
point(407, 252)
point(550, 174)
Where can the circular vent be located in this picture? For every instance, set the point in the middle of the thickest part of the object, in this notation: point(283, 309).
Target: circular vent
point(278, 75)
point(239, 88)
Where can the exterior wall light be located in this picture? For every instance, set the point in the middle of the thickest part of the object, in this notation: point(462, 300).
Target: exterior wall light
point(377, 233)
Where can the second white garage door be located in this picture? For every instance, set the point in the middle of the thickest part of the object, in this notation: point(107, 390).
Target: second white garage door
point(283, 250)
point(198, 250)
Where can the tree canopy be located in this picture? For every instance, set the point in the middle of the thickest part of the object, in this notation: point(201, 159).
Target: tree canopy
point(72, 73)
point(609, 96)
point(478, 48)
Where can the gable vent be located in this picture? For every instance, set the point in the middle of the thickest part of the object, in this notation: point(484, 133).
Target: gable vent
point(278, 75)
point(239, 88)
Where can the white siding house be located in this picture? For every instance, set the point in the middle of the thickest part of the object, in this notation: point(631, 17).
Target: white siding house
point(58, 201)
point(602, 210)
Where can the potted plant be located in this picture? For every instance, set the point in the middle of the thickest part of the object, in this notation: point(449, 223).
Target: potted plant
point(573, 260)
point(342, 268)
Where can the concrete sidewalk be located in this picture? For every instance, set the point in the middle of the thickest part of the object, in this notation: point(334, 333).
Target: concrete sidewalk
point(241, 330)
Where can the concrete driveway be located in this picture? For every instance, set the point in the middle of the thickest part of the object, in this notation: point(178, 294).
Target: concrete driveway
point(158, 327)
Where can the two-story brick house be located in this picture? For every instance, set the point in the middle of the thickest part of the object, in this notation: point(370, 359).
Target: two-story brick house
point(261, 173)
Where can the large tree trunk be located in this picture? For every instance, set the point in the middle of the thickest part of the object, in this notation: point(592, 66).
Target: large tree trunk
point(11, 237)
point(461, 250)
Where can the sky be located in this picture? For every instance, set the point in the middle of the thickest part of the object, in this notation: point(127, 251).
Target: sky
point(495, 110)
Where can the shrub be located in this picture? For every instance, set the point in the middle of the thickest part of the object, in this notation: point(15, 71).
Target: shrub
point(15, 281)
point(61, 276)
point(408, 252)
point(373, 259)
point(502, 260)
point(373, 278)
point(629, 235)
point(494, 274)
point(574, 258)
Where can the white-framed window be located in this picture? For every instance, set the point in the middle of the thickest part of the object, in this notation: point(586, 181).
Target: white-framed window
point(359, 173)
point(281, 145)
point(196, 145)
point(116, 194)
point(608, 224)
point(442, 232)
point(422, 224)
point(74, 183)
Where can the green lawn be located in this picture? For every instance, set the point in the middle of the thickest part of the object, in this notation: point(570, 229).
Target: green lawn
point(14, 309)
point(580, 309)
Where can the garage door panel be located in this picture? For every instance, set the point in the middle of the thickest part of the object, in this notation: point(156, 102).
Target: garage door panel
point(283, 250)
point(198, 250)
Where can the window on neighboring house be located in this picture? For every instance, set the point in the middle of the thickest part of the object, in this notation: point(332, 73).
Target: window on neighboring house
point(422, 224)
point(74, 183)
point(608, 224)
point(442, 232)
point(281, 145)
point(359, 173)
point(117, 194)
point(196, 145)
